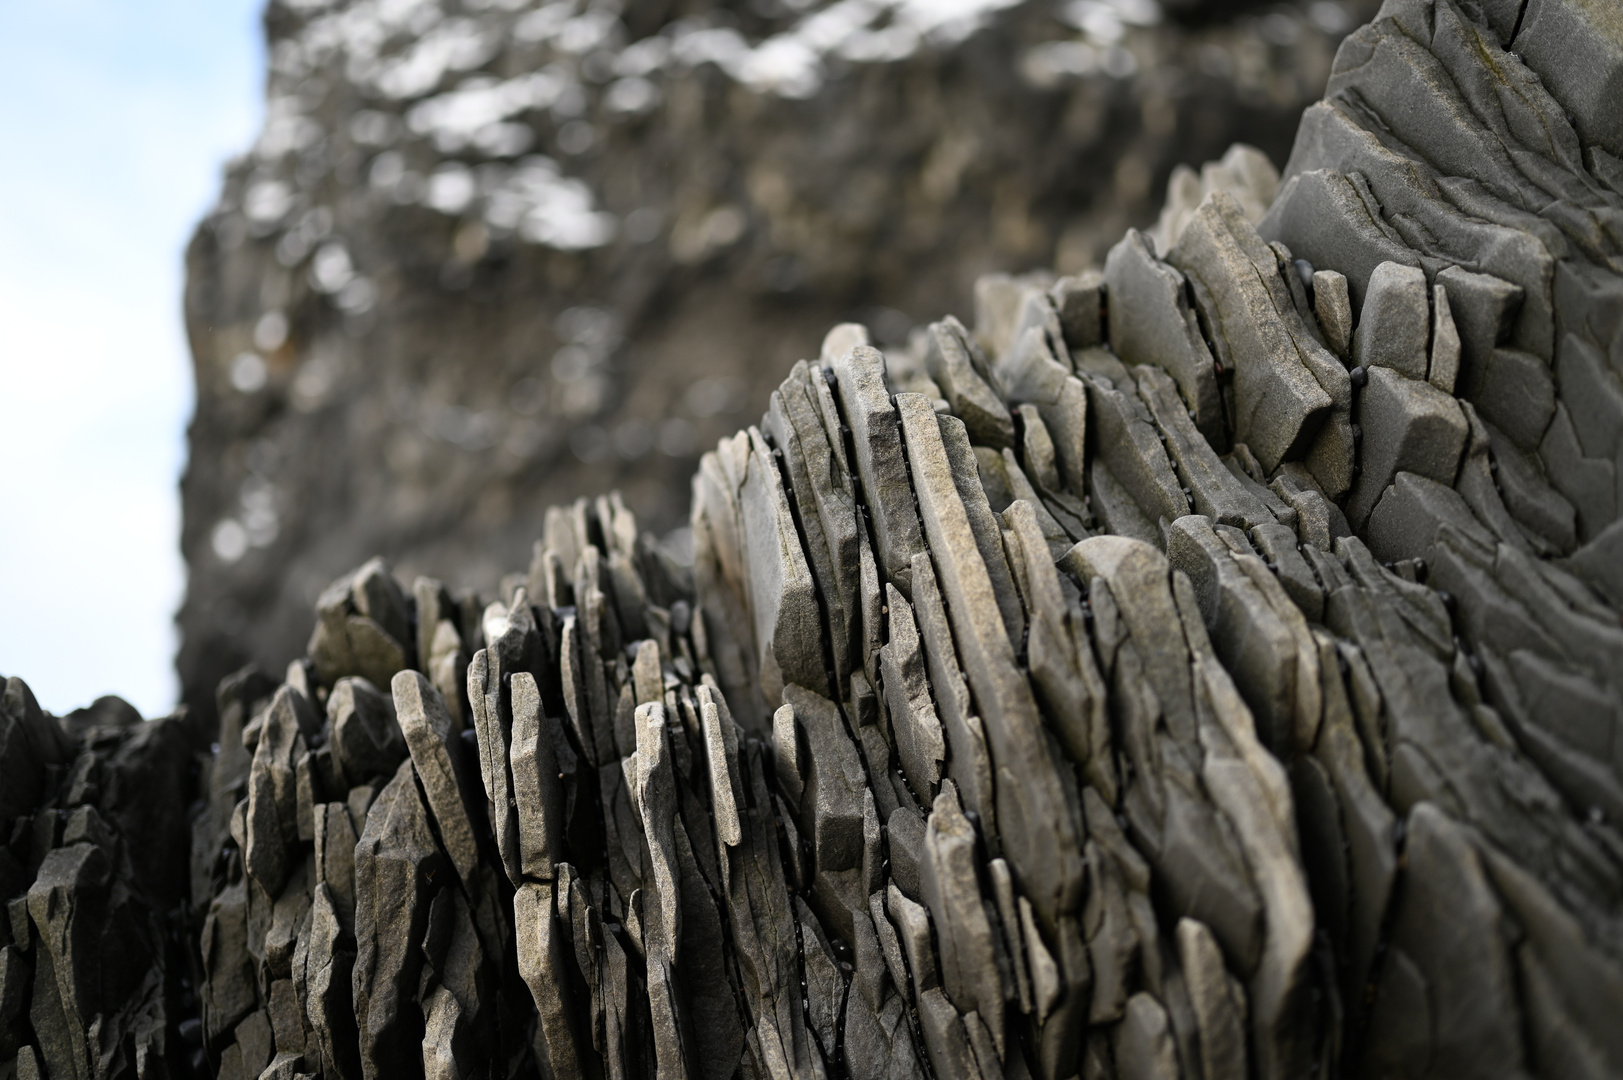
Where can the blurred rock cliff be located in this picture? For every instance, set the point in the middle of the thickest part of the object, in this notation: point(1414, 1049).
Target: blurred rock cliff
point(488, 255)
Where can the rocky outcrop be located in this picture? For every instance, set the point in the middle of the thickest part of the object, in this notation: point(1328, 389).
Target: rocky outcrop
point(1015, 715)
point(489, 256)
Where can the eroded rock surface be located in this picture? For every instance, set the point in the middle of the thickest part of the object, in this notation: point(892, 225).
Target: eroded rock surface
point(1072, 736)
point(492, 255)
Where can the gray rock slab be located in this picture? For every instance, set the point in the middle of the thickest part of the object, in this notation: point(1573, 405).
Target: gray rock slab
point(1409, 425)
point(272, 812)
point(1114, 506)
point(1030, 374)
point(1213, 490)
point(1446, 925)
point(538, 793)
point(789, 762)
point(491, 727)
point(1331, 219)
point(1484, 308)
point(879, 1045)
point(1246, 784)
point(969, 764)
point(398, 867)
point(1280, 398)
point(999, 301)
point(1130, 445)
point(1143, 1042)
point(1600, 563)
point(964, 934)
point(1590, 484)
point(820, 482)
point(324, 988)
point(1443, 366)
point(1546, 518)
point(876, 440)
point(904, 834)
point(835, 782)
point(1259, 633)
point(656, 801)
point(920, 743)
point(1394, 324)
point(1059, 655)
point(1132, 568)
point(1278, 545)
point(1059, 537)
point(890, 946)
point(1037, 454)
point(1219, 1016)
point(29, 741)
point(1080, 303)
point(1513, 390)
point(944, 1038)
point(1592, 392)
point(1008, 920)
point(983, 524)
point(542, 963)
point(1332, 306)
point(949, 359)
point(1577, 50)
point(840, 340)
point(825, 986)
point(335, 840)
point(1028, 789)
point(1574, 988)
point(1151, 322)
point(435, 750)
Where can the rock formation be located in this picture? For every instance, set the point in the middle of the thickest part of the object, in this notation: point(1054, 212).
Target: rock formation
point(493, 255)
point(1205, 666)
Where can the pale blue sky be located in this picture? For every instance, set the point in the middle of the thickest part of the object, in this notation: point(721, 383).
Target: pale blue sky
point(115, 120)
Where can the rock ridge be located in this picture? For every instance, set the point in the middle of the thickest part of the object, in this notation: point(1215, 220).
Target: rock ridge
point(1014, 716)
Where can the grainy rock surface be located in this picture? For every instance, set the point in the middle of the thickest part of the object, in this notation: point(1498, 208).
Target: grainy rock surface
point(1009, 719)
point(491, 255)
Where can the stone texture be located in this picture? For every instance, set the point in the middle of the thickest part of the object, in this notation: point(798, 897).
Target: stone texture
point(1151, 322)
point(978, 730)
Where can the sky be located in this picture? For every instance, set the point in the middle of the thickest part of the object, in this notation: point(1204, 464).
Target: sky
point(115, 120)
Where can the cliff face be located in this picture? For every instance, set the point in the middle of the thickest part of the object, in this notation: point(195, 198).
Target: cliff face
point(1203, 667)
point(491, 255)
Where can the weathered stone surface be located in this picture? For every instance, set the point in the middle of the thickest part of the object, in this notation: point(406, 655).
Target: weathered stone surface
point(955, 363)
point(538, 792)
point(398, 866)
point(919, 740)
point(876, 440)
point(948, 873)
point(1332, 306)
point(1257, 789)
point(366, 740)
point(1034, 817)
point(781, 589)
point(1131, 447)
point(1395, 322)
point(1213, 490)
point(1031, 375)
point(1290, 394)
point(1151, 322)
point(436, 752)
point(1409, 426)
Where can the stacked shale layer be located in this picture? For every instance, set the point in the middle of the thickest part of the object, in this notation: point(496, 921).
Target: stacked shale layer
point(497, 254)
point(1206, 667)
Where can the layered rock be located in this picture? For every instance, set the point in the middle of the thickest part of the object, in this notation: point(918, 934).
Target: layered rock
point(496, 255)
point(1016, 715)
